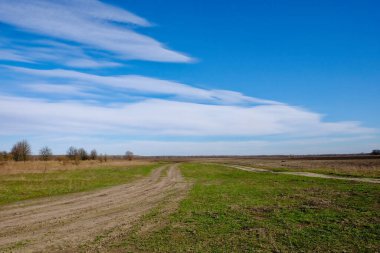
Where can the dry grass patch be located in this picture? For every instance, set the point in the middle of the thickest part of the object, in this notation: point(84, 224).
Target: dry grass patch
point(12, 167)
point(339, 167)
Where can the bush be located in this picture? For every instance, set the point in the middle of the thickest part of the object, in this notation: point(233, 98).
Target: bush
point(45, 153)
point(93, 154)
point(72, 153)
point(129, 155)
point(82, 154)
point(21, 151)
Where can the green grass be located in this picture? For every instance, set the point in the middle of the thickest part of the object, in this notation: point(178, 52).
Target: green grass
point(32, 185)
point(230, 210)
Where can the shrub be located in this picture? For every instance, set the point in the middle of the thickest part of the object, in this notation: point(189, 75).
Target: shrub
point(93, 154)
point(72, 153)
point(45, 153)
point(21, 151)
point(129, 155)
point(82, 154)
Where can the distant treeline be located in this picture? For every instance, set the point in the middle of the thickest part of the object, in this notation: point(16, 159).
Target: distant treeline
point(22, 151)
point(373, 155)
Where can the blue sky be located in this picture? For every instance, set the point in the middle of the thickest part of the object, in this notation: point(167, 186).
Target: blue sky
point(191, 77)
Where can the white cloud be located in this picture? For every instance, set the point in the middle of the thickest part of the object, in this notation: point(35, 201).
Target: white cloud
point(60, 90)
point(100, 10)
point(89, 63)
point(12, 55)
point(147, 85)
point(84, 107)
point(53, 88)
point(90, 23)
point(45, 51)
point(165, 118)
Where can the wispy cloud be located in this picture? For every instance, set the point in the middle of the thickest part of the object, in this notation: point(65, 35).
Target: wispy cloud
point(13, 55)
point(91, 23)
point(46, 51)
point(203, 112)
point(156, 117)
point(60, 93)
point(60, 90)
point(146, 85)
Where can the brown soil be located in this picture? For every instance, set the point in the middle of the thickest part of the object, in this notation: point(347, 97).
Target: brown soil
point(84, 221)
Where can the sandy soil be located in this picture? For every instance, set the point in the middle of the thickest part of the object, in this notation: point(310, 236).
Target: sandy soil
point(308, 174)
point(85, 221)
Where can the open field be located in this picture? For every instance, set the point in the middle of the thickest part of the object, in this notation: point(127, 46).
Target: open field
point(21, 186)
point(189, 207)
point(231, 210)
point(84, 221)
point(207, 126)
point(306, 174)
point(11, 167)
point(341, 165)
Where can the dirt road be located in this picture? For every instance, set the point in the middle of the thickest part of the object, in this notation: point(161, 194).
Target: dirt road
point(307, 174)
point(85, 221)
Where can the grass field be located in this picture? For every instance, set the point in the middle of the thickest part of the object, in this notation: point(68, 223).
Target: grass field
point(228, 210)
point(21, 186)
point(339, 167)
point(219, 209)
point(351, 166)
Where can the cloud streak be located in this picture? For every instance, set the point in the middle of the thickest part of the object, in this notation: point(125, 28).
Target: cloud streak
point(146, 85)
point(65, 95)
point(91, 23)
point(156, 117)
point(13, 55)
point(46, 51)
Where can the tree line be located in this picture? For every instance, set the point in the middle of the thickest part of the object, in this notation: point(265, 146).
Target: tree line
point(22, 151)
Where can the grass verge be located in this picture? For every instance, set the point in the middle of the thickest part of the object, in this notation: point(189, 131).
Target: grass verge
point(32, 185)
point(230, 210)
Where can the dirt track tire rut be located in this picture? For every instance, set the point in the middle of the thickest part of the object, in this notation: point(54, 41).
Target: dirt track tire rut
point(308, 174)
point(58, 223)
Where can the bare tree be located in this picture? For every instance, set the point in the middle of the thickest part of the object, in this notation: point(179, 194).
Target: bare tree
point(45, 153)
point(72, 153)
point(129, 155)
point(93, 154)
point(21, 151)
point(82, 153)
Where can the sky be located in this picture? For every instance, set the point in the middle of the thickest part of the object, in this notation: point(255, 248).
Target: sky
point(200, 77)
